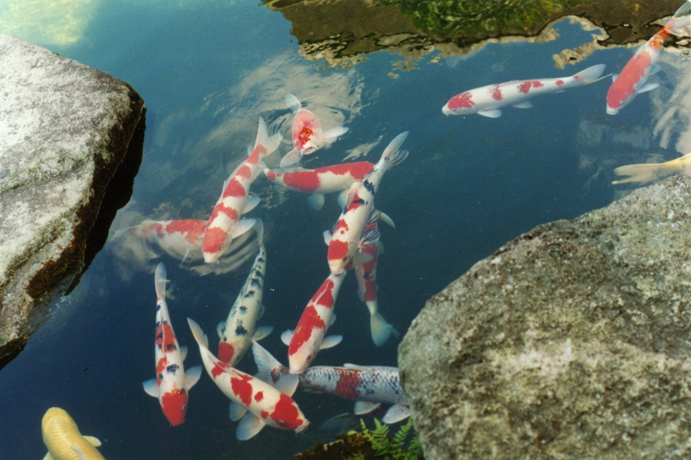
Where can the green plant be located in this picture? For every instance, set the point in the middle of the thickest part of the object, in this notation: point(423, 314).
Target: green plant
point(472, 17)
point(390, 447)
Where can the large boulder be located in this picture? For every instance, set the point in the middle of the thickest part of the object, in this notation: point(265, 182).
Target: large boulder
point(571, 341)
point(64, 130)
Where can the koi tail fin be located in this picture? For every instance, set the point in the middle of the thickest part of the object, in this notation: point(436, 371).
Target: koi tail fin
point(270, 143)
point(198, 333)
point(160, 280)
point(273, 372)
point(681, 21)
point(293, 102)
point(590, 75)
point(394, 145)
point(381, 330)
point(259, 230)
point(642, 173)
point(266, 363)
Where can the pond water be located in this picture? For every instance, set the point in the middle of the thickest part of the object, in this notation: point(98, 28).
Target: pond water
point(208, 71)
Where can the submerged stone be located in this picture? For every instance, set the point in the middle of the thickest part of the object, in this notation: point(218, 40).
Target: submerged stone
point(571, 341)
point(64, 130)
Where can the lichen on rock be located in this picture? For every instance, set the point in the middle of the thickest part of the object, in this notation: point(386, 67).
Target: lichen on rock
point(571, 341)
point(64, 130)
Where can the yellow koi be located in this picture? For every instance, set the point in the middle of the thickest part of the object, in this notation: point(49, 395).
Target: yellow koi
point(647, 172)
point(63, 439)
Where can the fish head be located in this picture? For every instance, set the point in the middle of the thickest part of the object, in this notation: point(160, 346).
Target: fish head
point(612, 110)
point(287, 415)
point(306, 132)
point(460, 104)
point(226, 352)
point(174, 404)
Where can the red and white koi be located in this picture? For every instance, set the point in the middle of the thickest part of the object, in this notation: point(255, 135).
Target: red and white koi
point(224, 223)
point(310, 334)
point(238, 330)
point(254, 402)
point(172, 384)
point(632, 79)
point(307, 133)
point(320, 181)
point(369, 386)
point(178, 238)
point(487, 100)
point(348, 233)
point(366, 275)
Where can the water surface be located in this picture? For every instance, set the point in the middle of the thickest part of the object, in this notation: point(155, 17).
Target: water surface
point(207, 71)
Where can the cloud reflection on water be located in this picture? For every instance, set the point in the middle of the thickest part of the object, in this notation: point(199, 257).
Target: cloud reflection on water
point(192, 169)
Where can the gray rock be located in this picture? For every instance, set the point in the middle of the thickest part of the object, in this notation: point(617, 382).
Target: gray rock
point(571, 341)
point(64, 130)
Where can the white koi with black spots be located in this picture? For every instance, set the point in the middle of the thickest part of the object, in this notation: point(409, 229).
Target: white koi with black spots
point(172, 384)
point(238, 330)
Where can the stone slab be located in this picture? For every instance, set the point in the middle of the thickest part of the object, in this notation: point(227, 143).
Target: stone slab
point(571, 341)
point(64, 130)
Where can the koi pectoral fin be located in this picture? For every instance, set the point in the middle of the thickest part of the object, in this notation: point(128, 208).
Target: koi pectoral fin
point(496, 113)
point(262, 332)
point(334, 133)
point(648, 87)
point(286, 337)
point(396, 413)
point(524, 105)
point(151, 387)
point(236, 411)
point(249, 426)
point(192, 376)
point(330, 341)
point(316, 201)
point(290, 158)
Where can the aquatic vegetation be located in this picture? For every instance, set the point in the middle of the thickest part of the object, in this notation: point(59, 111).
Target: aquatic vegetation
point(377, 444)
point(491, 17)
point(392, 447)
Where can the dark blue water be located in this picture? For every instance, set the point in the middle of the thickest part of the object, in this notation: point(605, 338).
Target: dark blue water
point(207, 72)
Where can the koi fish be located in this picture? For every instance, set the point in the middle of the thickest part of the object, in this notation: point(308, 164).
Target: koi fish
point(224, 222)
point(366, 275)
point(369, 386)
point(63, 439)
point(348, 234)
point(172, 383)
point(307, 133)
point(320, 181)
point(178, 238)
point(255, 403)
point(487, 100)
point(650, 171)
point(309, 336)
point(238, 331)
point(632, 79)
